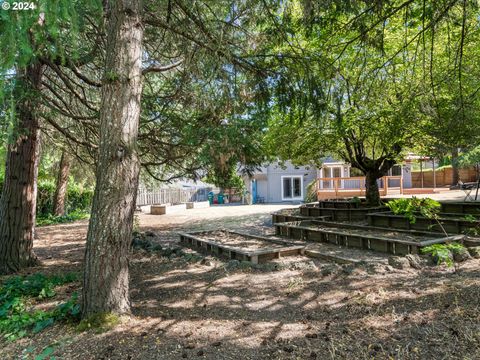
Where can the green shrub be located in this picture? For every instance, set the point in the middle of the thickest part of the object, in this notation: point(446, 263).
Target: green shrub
point(78, 198)
point(410, 208)
point(311, 193)
point(442, 253)
point(16, 296)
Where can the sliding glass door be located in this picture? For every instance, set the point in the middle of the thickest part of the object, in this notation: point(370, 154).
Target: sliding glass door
point(292, 188)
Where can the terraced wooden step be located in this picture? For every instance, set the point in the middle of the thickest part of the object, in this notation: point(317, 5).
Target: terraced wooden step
point(241, 246)
point(399, 242)
point(287, 215)
point(340, 214)
point(452, 223)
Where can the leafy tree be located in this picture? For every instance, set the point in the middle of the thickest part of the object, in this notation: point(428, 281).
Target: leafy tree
point(29, 40)
point(352, 78)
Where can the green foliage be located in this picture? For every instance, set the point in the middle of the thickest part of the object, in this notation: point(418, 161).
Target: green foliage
point(356, 200)
point(442, 253)
point(17, 293)
point(311, 194)
point(469, 158)
point(410, 208)
point(99, 322)
point(78, 199)
point(49, 219)
point(225, 180)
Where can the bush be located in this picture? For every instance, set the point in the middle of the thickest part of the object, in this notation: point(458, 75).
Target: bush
point(311, 195)
point(78, 198)
point(442, 253)
point(410, 208)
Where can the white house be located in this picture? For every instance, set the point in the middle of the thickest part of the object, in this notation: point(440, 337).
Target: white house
point(285, 182)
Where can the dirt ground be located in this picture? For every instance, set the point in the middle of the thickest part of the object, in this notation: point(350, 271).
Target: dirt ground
point(208, 310)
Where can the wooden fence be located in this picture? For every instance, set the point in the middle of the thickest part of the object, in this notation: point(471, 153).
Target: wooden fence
point(443, 177)
point(172, 195)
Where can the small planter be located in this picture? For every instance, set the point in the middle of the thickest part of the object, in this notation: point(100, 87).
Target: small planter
point(197, 205)
point(167, 209)
point(452, 223)
point(239, 246)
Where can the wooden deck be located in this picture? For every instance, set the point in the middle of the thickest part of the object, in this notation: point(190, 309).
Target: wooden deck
point(345, 187)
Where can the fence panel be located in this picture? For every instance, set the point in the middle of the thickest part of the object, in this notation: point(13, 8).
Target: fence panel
point(163, 196)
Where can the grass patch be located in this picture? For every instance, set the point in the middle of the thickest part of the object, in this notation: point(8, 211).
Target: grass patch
point(72, 216)
point(19, 294)
point(99, 322)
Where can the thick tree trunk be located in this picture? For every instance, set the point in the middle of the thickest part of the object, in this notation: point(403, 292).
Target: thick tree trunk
point(106, 287)
point(19, 193)
point(372, 194)
point(62, 184)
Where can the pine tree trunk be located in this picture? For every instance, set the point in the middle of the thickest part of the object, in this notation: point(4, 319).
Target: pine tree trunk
point(19, 193)
point(62, 184)
point(106, 279)
point(371, 186)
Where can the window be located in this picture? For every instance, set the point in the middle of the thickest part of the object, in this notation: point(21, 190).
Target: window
point(292, 187)
point(397, 170)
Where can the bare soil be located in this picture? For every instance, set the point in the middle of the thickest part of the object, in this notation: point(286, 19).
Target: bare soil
point(189, 310)
point(238, 241)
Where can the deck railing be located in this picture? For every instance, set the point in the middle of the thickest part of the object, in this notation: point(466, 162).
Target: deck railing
point(339, 187)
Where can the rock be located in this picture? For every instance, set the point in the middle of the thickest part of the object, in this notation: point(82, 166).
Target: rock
point(388, 268)
point(348, 269)
point(206, 262)
point(414, 260)
point(398, 262)
point(474, 252)
point(232, 264)
point(303, 265)
point(461, 254)
point(289, 348)
point(329, 269)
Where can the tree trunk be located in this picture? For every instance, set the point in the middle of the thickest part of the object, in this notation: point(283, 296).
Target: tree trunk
point(62, 184)
point(455, 171)
point(106, 287)
point(372, 194)
point(19, 193)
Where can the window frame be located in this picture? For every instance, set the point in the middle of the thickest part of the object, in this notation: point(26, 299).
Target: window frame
point(292, 187)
